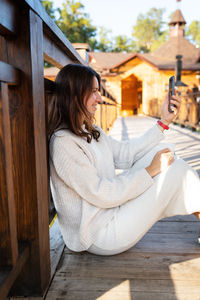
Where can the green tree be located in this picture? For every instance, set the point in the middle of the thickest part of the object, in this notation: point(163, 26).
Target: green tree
point(123, 44)
point(159, 41)
point(105, 40)
point(193, 32)
point(75, 23)
point(148, 29)
point(48, 5)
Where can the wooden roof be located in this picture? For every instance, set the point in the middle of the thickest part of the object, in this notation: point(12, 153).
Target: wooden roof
point(175, 46)
point(177, 17)
point(163, 58)
point(106, 60)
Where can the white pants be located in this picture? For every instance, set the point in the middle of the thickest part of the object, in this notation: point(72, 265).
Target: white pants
point(176, 191)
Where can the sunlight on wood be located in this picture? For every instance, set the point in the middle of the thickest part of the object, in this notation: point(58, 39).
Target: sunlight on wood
point(119, 292)
point(185, 277)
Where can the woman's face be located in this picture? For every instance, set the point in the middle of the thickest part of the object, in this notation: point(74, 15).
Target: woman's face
point(94, 98)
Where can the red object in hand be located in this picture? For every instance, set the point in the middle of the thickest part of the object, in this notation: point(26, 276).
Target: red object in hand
point(163, 125)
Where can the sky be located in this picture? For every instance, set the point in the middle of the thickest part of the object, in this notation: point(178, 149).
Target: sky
point(120, 15)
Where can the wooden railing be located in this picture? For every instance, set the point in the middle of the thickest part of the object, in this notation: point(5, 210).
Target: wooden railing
point(190, 111)
point(28, 37)
point(189, 114)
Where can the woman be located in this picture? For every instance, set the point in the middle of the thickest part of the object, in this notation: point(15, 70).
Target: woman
point(99, 211)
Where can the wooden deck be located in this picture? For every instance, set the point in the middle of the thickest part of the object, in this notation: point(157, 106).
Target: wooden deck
point(165, 264)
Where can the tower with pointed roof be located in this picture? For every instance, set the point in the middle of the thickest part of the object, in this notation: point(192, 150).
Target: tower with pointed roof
point(177, 24)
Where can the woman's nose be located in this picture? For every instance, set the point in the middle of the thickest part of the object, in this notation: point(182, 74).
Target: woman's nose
point(99, 99)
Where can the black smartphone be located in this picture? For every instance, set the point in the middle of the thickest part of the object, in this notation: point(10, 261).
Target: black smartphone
point(171, 92)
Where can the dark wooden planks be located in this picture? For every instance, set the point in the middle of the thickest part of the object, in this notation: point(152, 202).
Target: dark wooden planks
point(8, 14)
point(9, 252)
point(9, 74)
point(9, 275)
point(56, 246)
point(40, 143)
point(28, 132)
point(55, 34)
point(54, 55)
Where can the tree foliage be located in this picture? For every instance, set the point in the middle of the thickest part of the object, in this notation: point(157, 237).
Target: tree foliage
point(122, 43)
point(193, 32)
point(148, 29)
point(48, 5)
point(75, 23)
point(104, 43)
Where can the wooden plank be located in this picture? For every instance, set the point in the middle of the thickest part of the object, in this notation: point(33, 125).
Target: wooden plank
point(5, 249)
point(8, 73)
point(131, 265)
point(176, 227)
point(54, 55)
point(112, 289)
point(56, 246)
point(28, 193)
point(119, 295)
point(56, 249)
point(83, 276)
point(10, 275)
point(8, 19)
point(3, 50)
point(9, 175)
point(40, 141)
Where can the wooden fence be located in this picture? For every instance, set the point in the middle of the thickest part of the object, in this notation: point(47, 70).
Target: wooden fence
point(190, 111)
point(189, 114)
point(28, 37)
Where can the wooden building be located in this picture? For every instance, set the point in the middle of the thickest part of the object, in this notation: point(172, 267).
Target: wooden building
point(140, 81)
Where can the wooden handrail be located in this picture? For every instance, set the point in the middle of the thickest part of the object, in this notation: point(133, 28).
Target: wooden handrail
point(8, 20)
point(52, 30)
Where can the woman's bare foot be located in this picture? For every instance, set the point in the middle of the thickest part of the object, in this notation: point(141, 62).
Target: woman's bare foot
point(197, 214)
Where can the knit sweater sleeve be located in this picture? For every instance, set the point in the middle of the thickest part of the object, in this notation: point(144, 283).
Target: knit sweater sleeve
point(77, 171)
point(125, 153)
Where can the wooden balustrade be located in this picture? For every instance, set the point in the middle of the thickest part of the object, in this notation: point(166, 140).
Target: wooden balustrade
point(27, 37)
point(189, 114)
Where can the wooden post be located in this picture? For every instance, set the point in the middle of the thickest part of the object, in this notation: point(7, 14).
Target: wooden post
point(28, 127)
point(8, 232)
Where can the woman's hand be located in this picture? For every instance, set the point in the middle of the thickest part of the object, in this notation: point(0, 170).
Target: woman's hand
point(166, 116)
point(160, 162)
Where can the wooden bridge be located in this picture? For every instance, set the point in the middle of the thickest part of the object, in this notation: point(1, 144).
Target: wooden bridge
point(28, 254)
point(164, 265)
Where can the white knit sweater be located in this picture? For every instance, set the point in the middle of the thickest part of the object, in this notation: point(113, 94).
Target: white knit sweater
point(85, 189)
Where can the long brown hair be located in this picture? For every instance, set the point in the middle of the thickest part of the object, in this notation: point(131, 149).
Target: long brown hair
point(74, 85)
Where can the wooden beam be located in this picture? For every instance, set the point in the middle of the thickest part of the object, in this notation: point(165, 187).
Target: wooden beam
point(9, 74)
point(11, 213)
point(9, 275)
point(55, 34)
point(8, 20)
point(25, 52)
point(54, 55)
point(40, 141)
